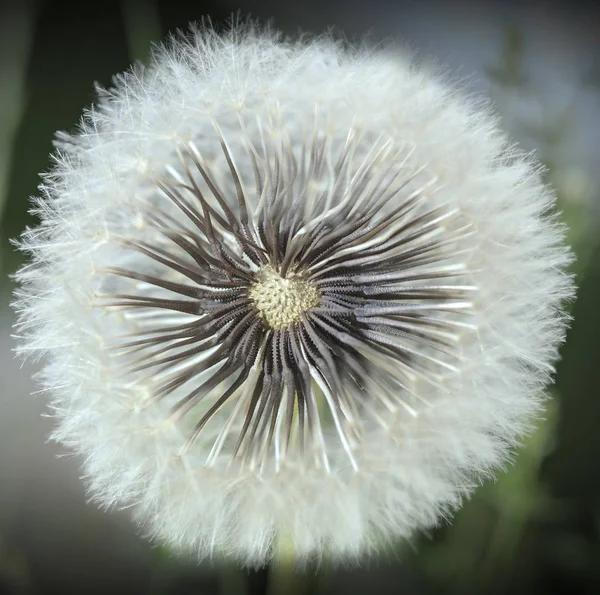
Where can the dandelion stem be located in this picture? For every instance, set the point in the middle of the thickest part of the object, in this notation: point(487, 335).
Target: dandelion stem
point(284, 577)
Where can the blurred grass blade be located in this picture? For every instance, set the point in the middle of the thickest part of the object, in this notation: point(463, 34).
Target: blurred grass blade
point(16, 41)
point(142, 26)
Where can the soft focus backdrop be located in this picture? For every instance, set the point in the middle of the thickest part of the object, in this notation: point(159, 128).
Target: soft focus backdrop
point(537, 529)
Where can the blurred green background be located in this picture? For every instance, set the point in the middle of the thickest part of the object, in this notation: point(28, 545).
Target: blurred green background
point(535, 530)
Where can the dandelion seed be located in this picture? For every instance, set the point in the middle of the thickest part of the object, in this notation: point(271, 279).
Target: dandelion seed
point(290, 289)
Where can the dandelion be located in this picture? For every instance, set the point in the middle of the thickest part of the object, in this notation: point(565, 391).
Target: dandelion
point(290, 291)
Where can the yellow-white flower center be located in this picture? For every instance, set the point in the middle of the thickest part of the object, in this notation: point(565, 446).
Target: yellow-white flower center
point(282, 300)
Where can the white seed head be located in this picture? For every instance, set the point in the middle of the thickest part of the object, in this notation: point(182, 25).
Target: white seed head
point(290, 290)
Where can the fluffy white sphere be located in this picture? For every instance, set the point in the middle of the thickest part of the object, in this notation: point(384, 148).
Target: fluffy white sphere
point(290, 291)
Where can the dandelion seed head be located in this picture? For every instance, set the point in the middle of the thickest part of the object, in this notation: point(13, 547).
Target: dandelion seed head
point(290, 289)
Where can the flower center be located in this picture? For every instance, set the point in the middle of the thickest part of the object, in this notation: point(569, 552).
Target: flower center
point(282, 300)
